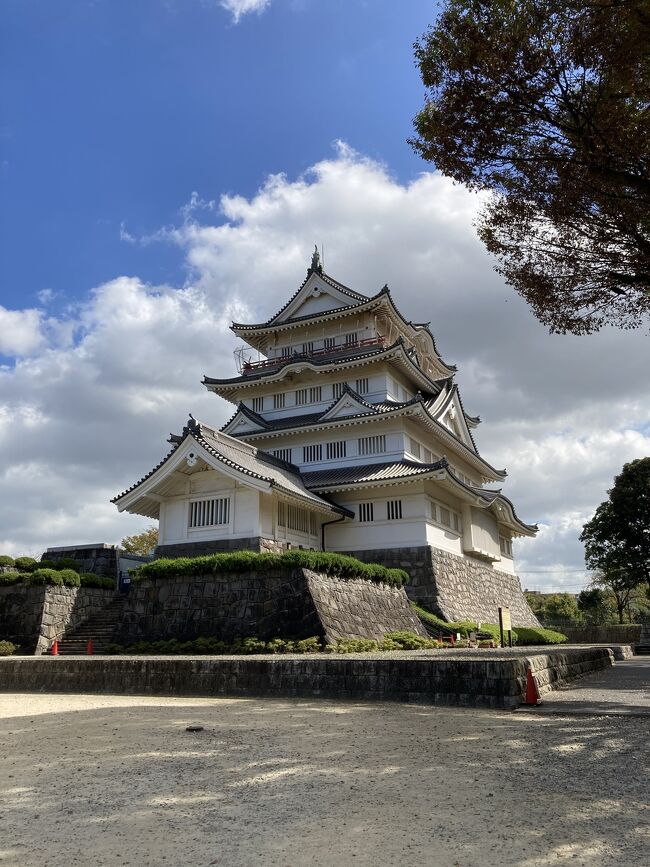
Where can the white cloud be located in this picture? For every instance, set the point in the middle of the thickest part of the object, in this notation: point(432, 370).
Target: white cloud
point(83, 420)
point(238, 8)
point(20, 331)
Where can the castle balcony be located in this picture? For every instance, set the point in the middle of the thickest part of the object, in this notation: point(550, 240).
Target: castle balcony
point(333, 352)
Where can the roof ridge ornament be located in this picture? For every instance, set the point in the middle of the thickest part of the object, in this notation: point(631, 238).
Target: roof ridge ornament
point(193, 426)
point(316, 265)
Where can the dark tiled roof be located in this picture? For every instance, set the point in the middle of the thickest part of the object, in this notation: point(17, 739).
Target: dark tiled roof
point(330, 281)
point(370, 473)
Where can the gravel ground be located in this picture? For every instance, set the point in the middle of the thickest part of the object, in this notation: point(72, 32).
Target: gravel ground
point(117, 780)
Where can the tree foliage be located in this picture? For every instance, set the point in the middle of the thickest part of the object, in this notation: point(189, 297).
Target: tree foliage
point(141, 543)
point(554, 607)
point(617, 538)
point(545, 104)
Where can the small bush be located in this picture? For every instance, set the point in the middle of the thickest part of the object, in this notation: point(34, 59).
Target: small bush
point(309, 645)
point(339, 565)
point(88, 579)
point(7, 648)
point(409, 640)
point(6, 560)
point(527, 635)
point(11, 578)
point(26, 564)
point(353, 645)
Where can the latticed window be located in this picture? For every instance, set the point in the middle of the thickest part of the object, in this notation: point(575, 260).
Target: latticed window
point(394, 510)
point(351, 339)
point(278, 401)
point(415, 448)
point(312, 453)
point(294, 518)
point(308, 347)
point(506, 546)
point(335, 450)
point(258, 404)
point(329, 343)
point(363, 386)
point(445, 516)
point(283, 454)
point(338, 388)
point(366, 512)
point(372, 445)
point(301, 396)
point(315, 394)
point(210, 512)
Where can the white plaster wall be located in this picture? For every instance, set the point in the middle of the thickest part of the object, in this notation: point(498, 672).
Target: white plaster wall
point(485, 535)
point(380, 533)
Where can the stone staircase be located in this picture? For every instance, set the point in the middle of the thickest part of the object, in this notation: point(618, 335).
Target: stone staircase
point(99, 628)
point(643, 646)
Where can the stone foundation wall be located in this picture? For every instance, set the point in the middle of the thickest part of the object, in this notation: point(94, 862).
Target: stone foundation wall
point(101, 560)
point(33, 616)
point(219, 546)
point(457, 588)
point(296, 604)
point(627, 633)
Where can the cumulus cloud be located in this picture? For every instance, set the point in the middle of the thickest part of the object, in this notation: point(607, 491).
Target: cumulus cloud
point(239, 8)
point(83, 420)
point(20, 331)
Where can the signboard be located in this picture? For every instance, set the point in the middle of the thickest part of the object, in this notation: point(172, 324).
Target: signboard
point(505, 625)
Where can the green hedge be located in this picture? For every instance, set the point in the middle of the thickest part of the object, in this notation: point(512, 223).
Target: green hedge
point(25, 564)
point(522, 635)
point(6, 560)
point(7, 648)
point(88, 579)
point(57, 578)
point(214, 646)
point(339, 565)
point(12, 578)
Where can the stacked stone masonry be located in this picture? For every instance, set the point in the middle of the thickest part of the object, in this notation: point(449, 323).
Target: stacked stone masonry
point(33, 616)
point(100, 561)
point(296, 604)
point(220, 546)
point(457, 588)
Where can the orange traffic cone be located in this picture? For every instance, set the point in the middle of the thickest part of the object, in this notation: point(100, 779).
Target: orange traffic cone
point(532, 693)
point(55, 647)
point(89, 647)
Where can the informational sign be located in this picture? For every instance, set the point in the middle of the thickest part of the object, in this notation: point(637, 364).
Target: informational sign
point(505, 625)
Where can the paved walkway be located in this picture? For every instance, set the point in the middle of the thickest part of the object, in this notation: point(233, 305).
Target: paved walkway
point(623, 689)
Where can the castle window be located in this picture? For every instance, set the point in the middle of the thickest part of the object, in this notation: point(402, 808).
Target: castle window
point(445, 516)
point(209, 513)
point(283, 454)
point(312, 453)
point(315, 394)
point(294, 518)
point(258, 404)
point(329, 343)
point(285, 351)
point(506, 546)
point(308, 347)
point(366, 512)
point(362, 385)
point(335, 450)
point(278, 401)
point(426, 455)
point(301, 396)
point(352, 339)
point(415, 448)
point(337, 389)
point(372, 445)
point(394, 510)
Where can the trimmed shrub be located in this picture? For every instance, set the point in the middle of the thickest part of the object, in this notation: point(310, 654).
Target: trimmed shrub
point(61, 564)
point(7, 648)
point(88, 579)
point(527, 635)
point(26, 564)
point(6, 560)
point(409, 640)
point(339, 565)
point(11, 578)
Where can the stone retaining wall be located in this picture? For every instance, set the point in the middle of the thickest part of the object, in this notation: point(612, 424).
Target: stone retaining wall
point(33, 616)
point(100, 560)
point(285, 604)
point(627, 633)
point(220, 546)
point(489, 679)
point(457, 588)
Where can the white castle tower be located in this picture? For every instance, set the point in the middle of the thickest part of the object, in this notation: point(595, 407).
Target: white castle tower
point(349, 435)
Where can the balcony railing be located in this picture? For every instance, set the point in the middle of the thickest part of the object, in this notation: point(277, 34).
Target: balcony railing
point(249, 367)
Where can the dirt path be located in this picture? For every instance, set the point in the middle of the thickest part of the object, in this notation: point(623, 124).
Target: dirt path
point(101, 780)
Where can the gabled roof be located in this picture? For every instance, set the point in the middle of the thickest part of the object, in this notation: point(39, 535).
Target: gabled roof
point(220, 451)
point(322, 277)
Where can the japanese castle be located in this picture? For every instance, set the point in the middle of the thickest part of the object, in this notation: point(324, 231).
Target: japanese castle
point(348, 434)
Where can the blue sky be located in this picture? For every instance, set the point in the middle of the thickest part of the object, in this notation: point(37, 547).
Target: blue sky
point(167, 166)
point(112, 112)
